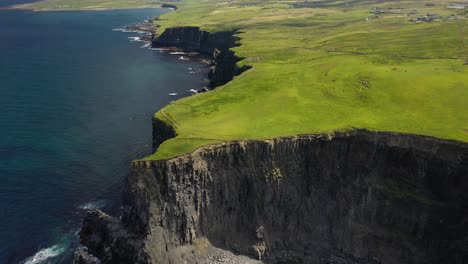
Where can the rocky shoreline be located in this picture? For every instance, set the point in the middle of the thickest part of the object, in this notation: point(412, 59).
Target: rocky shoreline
point(147, 28)
point(197, 42)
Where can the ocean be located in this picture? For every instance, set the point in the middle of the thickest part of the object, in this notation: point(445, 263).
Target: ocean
point(76, 101)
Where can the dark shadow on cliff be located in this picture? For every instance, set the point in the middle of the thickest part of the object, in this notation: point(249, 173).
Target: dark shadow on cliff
point(217, 45)
point(362, 197)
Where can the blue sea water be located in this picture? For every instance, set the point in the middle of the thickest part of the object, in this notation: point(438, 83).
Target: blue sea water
point(76, 100)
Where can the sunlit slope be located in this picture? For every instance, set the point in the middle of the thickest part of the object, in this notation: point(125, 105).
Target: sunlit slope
point(325, 69)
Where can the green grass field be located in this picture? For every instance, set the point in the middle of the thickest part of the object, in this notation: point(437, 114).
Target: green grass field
point(325, 69)
point(323, 66)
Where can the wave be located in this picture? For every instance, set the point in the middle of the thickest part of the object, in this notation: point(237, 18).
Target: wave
point(173, 94)
point(135, 38)
point(121, 30)
point(44, 254)
point(146, 45)
point(98, 204)
point(161, 50)
point(127, 30)
point(177, 53)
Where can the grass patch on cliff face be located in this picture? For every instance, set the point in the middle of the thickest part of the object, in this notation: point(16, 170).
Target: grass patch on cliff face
point(325, 69)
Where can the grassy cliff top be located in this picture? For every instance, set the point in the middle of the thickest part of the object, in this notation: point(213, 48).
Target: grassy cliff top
point(327, 65)
point(321, 66)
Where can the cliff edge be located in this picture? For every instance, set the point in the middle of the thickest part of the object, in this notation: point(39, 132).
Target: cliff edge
point(356, 197)
point(215, 44)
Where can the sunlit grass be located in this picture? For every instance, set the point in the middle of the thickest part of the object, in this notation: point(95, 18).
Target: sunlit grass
point(326, 69)
point(331, 66)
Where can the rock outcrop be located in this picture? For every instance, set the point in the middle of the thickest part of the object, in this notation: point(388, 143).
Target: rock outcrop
point(106, 239)
point(82, 256)
point(356, 197)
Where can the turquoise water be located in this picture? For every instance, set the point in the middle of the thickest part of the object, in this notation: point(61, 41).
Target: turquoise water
point(76, 100)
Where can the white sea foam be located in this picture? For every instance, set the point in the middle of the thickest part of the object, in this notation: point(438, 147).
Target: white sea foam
point(44, 254)
point(126, 30)
point(177, 53)
point(98, 204)
point(183, 58)
point(146, 45)
point(134, 38)
point(173, 94)
point(121, 30)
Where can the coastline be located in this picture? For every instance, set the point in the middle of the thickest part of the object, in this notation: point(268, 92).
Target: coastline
point(141, 206)
point(149, 27)
point(145, 69)
point(178, 204)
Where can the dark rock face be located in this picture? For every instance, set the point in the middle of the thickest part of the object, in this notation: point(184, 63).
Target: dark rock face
point(224, 67)
point(81, 256)
point(105, 238)
point(357, 197)
point(192, 39)
point(169, 6)
point(161, 132)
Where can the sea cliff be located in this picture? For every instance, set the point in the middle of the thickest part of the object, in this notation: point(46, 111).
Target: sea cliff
point(217, 45)
point(350, 197)
point(356, 197)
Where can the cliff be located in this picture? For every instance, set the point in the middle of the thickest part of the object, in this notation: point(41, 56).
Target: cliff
point(356, 197)
point(193, 39)
point(217, 45)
